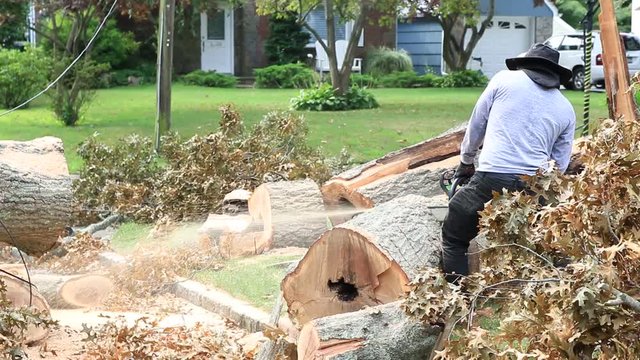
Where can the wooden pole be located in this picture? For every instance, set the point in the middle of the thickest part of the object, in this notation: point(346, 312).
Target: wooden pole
point(616, 71)
point(164, 69)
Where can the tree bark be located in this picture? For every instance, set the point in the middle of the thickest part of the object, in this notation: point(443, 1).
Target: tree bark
point(382, 332)
point(35, 193)
point(292, 212)
point(366, 261)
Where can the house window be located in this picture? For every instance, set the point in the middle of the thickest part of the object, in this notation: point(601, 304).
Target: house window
point(504, 24)
point(520, 26)
point(215, 25)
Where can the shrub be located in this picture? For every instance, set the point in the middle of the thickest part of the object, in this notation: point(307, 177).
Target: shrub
point(75, 90)
point(210, 79)
point(382, 61)
point(196, 173)
point(289, 76)
point(465, 78)
point(22, 75)
point(324, 98)
point(360, 80)
point(409, 79)
point(286, 42)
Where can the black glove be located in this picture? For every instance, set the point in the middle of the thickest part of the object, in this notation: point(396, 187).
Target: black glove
point(464, 170)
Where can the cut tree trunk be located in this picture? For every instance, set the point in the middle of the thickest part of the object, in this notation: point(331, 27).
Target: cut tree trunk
point(236, 202)
point(366, 261)
point(357, 185)
point(35, 193)
point(379, 333)
point(66, 291)
point(18, 294)
point(292, 212)
point(232, 236)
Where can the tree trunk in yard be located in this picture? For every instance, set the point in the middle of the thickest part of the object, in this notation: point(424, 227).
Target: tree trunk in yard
point(366, 261)
point(35, 193)
point(382, 332)
point(456, 50)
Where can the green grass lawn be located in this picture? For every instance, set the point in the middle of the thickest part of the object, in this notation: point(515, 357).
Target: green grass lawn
point(405, 116)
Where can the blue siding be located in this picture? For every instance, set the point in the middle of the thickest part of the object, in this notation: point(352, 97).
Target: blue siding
point(516, 8)
point(317, 22)
point(422, 39)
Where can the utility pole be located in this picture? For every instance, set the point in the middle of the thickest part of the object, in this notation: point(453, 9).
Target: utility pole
point(164, 69)
point(616, 71)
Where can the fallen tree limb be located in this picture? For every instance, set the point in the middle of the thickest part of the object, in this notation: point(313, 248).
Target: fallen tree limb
point(380, 332)
point(366, 261)
point(36, 198)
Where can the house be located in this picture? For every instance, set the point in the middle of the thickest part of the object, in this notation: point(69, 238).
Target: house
point(232, 40)
point(515, 27)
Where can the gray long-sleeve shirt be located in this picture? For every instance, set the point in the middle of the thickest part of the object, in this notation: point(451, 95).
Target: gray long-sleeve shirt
point(520, 125)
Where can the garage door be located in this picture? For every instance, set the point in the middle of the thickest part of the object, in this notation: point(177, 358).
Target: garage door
point(507, 37)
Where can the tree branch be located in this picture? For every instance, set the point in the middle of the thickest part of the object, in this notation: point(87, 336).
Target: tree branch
point(622, 299)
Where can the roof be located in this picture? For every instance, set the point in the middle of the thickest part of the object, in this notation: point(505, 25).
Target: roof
point(516, 8)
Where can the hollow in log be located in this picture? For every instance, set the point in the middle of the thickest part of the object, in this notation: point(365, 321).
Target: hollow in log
point(366, 261)
point(382, 332)
point(292, 212)
point(35, 193)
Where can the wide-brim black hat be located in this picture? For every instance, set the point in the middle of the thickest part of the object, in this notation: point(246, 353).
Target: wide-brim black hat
point(541, 56)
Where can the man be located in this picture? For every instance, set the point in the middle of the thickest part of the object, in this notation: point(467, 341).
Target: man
point(523, 123)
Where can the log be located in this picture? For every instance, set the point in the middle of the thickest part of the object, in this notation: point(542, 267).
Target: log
point(383, 332)
point(36, 197)
point(366, 261)
point(348, 185)
point(292, 212)
point(66, 291)
point(236, 202)
point(18, 294)
point(233, 236)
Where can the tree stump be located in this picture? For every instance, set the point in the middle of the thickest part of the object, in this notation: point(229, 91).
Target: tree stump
point(18, 294)
point(292, 212)
point(366, 261)
point(35, 193)
point(379, 333)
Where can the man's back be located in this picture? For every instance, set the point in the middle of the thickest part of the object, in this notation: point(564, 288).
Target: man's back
point(526, 126)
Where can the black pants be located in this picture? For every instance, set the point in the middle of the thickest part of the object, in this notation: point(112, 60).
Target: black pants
point(461, 223)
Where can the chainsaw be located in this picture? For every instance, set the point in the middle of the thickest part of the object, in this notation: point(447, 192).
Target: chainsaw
point(450, 184)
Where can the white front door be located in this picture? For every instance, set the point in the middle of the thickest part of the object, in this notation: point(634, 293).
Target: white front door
point(216, 31)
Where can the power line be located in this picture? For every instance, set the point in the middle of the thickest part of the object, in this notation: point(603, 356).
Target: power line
point(86, 48)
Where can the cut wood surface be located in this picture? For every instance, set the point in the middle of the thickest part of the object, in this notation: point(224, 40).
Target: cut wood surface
point(35, 193)
point(66, 291)
point(292, 212)
point(378, 333)
point(18, 294)
point(366, 261)
point(416, 156)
